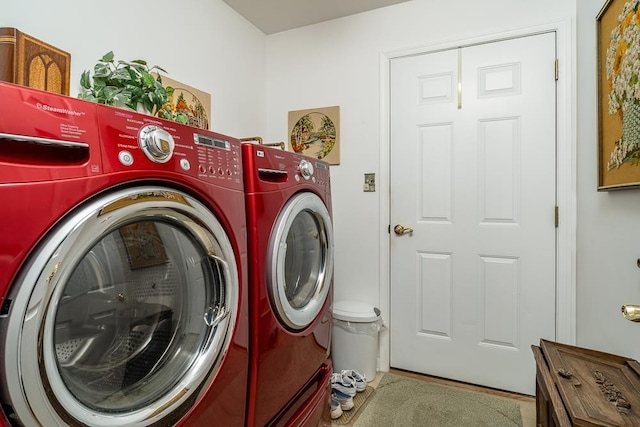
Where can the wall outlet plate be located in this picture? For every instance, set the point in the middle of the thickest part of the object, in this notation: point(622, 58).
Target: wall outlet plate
point(369, 182)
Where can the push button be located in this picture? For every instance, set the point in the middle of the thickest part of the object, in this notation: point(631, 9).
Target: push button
point(125, 158)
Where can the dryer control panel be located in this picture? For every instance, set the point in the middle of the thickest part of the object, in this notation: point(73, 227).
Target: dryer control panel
point(271, 169)
point(135, 141)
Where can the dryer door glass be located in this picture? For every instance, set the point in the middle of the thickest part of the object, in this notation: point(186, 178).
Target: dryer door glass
point(304, 258)
point(126, 312)
point(301, 261)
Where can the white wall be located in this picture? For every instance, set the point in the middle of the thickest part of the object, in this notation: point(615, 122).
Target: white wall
point(207, 45)
point(338, 63)
point(608, 231)
point(204, 44)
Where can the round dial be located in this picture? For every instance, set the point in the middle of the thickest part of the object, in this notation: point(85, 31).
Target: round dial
point(306, 169)
point(156, 143)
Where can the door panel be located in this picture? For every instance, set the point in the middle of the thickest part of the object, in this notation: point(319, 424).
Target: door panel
point(473, 174)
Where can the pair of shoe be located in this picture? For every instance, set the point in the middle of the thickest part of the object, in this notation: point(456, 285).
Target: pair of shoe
point(344, 386)
point(349, 381)
point(360, 380)
point(340, 402)
point(336, 410)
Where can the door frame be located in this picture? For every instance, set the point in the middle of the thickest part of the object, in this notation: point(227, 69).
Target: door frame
point(565, 171)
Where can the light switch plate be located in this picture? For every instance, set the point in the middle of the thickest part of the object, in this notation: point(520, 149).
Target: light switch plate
point(369, 182)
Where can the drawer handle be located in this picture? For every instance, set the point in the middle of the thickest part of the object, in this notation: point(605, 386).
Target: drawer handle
point(564, 373)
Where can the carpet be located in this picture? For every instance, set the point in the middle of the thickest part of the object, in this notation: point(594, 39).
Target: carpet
point(402, 402)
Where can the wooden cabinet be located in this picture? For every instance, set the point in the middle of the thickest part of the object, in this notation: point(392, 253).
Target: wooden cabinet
point(581, 387)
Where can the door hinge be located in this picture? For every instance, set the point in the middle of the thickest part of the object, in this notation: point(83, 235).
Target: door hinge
point(557, 215)
point(557, 70)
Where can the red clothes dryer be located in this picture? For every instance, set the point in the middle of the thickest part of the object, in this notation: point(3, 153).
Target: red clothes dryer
point(290, 243)
point(123, 268)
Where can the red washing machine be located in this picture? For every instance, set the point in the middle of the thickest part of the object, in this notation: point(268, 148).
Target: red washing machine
point(123, 268)
point(290, 235)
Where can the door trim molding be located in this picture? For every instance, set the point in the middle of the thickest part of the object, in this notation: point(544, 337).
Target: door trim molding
point(566, 170)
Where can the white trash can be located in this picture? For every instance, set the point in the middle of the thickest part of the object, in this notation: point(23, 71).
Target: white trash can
point(354, 337)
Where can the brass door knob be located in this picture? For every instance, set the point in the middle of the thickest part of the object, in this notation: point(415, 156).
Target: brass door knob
point(399, 229)
point(631, 312)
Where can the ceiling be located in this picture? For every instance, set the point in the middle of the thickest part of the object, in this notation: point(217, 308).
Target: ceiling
point(273, 16)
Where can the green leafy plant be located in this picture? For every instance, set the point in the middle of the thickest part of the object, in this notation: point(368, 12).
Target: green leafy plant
point(128, 83)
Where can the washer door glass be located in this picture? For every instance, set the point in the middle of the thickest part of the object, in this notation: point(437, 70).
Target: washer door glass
point(302, 260)
point(131, 315)
point(134, 309)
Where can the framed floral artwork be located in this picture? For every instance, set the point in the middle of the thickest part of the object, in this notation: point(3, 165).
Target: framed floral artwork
point(618, 29)
point(193, 104)
point(316, 133)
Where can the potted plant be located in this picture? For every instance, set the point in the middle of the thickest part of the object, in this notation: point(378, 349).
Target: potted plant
point(130, 84)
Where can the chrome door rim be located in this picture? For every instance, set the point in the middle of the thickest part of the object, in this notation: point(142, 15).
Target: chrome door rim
point(292, 317)
point(36, 390)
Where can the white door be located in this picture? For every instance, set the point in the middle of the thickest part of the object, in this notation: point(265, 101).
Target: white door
point(473, 161)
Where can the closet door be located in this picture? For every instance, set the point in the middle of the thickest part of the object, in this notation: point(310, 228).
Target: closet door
point(473, 195)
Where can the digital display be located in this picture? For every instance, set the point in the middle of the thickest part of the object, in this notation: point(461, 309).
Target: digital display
point(211, 142)
point(322, 166)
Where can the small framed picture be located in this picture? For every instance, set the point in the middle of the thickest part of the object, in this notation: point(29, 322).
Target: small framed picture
point(192, 102)
point(315, 132)
point(144, 245)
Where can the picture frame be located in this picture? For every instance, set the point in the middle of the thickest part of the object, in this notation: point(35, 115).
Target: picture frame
point(193, 102)
point(618, 32)
point(315, 132)
point(143, 244)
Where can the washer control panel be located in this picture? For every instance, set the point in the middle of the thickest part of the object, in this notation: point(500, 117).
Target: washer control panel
point(133, 141)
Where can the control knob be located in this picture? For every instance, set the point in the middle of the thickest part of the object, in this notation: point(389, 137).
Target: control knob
point(156, 143)
point(306, 169)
